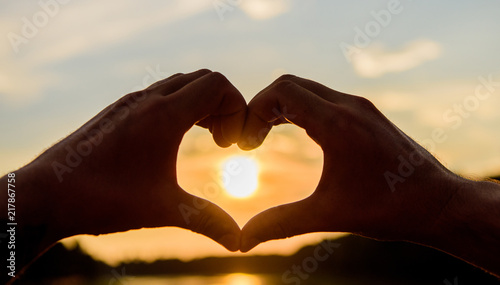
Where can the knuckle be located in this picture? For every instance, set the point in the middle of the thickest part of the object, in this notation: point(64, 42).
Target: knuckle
point(217, 77)
point(286, 77)
point(129, 100)
point(284, 85)
point(204, 70)
point(364, 103)
point(160, 82)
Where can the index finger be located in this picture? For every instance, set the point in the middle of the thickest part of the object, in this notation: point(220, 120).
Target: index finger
point(212, 97)
point(282, 102)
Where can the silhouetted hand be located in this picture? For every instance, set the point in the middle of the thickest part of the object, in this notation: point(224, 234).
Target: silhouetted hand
point(129, 181)
point(118, 171)
point(376, 181)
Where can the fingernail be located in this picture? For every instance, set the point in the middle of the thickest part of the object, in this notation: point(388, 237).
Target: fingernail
point(231, 242)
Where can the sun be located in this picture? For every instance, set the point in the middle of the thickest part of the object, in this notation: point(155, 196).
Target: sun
point(240, 176)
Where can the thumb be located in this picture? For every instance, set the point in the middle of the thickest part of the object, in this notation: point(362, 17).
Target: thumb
point(280, 222)
point(206, 218)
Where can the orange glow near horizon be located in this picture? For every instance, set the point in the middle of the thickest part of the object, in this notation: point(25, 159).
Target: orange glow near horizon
point(289, 168)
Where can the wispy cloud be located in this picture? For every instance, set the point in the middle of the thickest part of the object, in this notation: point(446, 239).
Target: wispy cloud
point(375, 60)
point(77, 28)
point(19, 80)
point(265, 9)
point(77, 34)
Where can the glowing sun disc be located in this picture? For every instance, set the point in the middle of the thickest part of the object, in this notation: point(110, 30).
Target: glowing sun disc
point(240, 176)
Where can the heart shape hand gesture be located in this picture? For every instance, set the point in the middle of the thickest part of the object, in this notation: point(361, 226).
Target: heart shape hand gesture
point(118, 171)
point(132, 168)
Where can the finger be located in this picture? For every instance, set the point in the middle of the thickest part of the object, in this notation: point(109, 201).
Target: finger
point(281, 222)
point(175, 82)
point(213, 124)
point(318, 89)
point(281, 103)
point(206, 218)
point(162, 87)
point(162, 81)
point(217, 132)
point(213, 96)
point(315, 87)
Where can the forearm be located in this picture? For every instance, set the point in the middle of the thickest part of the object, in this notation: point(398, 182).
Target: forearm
point(25, 218)
point(470, 226)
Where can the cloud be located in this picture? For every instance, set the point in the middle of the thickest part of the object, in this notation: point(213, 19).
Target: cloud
point(264, 9)
point(20, 83)
point(75, 34)
point(18, 87)
point(375, 60)
point(75, 29)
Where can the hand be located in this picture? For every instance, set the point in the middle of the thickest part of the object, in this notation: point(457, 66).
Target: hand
point(361, 147)
point(118, 171)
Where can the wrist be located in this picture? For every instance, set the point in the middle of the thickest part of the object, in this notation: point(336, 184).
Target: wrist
point(29, 218)
point(36, 201)
point(465, 212)
point(469, 226)
point(424, 205)
point(452, 217)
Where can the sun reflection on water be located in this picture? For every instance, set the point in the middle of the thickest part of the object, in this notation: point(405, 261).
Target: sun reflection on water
point(241, 279)
point(230, 279)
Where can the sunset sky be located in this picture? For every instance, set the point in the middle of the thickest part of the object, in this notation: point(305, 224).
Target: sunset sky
point(425, 64)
